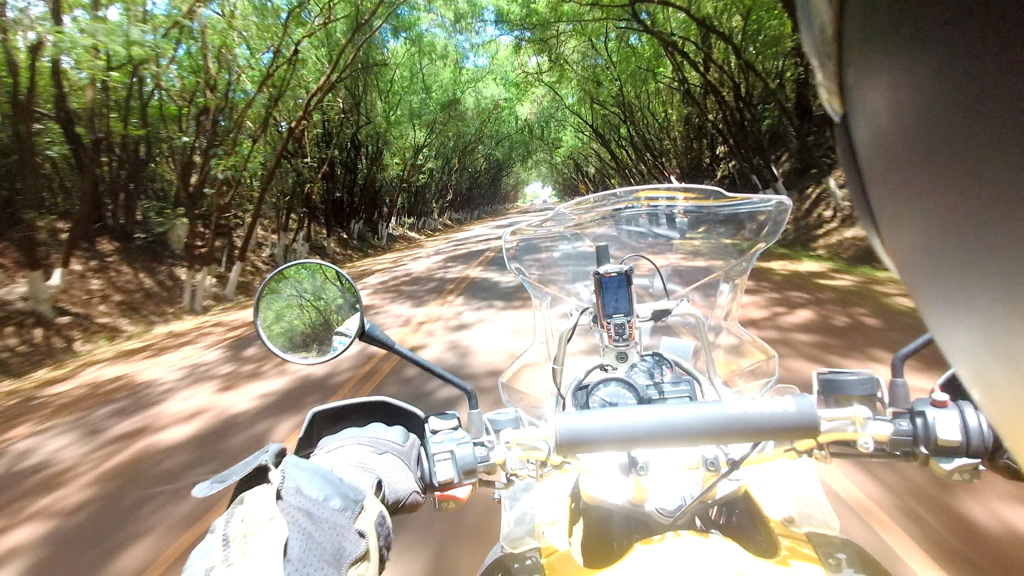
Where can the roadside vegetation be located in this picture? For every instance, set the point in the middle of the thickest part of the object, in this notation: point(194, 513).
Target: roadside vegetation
point(158, 156)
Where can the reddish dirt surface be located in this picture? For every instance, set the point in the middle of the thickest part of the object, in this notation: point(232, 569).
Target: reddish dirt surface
point(111, 294)
point(116, 292)
point(101, 485)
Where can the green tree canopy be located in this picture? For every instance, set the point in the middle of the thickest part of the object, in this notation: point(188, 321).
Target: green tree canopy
point(348, 117)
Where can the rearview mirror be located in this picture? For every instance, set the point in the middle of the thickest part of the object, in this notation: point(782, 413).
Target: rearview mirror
point(308, 312)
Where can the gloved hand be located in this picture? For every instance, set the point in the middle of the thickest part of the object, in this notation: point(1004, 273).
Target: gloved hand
point(295, 517)
point(382, 460)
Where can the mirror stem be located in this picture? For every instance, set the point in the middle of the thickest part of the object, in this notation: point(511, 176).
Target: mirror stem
point(899, 391)
point(374, 336)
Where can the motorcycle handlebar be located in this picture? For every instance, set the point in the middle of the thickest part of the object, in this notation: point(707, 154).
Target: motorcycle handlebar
point(687, 424)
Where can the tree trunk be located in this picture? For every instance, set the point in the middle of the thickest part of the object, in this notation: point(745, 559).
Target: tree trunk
point(186, 297)
point(132, 192)
point(200, 293)
point(302, 247)
point(232, 286)
point(313, 99)
point(280, 246)
point(39, 294)
point(22, 125)
point(85, 157)
point(83, 225)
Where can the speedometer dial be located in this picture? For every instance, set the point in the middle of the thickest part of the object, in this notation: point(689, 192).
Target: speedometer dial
point(612, 392)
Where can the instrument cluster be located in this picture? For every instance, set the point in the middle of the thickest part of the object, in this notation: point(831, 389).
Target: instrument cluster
point(651, 380)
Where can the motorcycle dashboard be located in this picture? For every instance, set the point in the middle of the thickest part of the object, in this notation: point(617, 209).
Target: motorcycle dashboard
point(651, 380)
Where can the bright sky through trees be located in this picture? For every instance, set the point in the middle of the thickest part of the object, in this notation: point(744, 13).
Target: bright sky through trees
point(537, 191)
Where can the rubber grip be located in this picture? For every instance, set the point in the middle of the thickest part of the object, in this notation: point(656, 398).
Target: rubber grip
point(686, 424)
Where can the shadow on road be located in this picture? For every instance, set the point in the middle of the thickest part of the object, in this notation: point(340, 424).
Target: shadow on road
point(105, 491)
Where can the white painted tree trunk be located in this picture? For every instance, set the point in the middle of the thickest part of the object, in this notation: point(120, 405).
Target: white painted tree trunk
point(232, 286)
point(186, 297)
point(224, 260)
point(56, 282)
point(176, 236)
point(279, 248)
point(200, 294)
point(301, 246)
point(39, 294)
point(330, 248)
point(837, 195)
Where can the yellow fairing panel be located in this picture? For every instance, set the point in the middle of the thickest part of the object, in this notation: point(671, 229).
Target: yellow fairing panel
point(694, 553)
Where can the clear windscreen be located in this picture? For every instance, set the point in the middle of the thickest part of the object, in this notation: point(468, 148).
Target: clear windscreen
point(704, 241)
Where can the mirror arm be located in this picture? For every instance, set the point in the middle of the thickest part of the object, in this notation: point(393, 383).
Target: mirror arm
point(899, 391)
point(374, 336)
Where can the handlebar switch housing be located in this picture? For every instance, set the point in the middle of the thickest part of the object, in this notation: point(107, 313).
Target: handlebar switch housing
point(939, 430)
point(952, 439)
point(450, 448)
point(443, 421)
point(957, 430)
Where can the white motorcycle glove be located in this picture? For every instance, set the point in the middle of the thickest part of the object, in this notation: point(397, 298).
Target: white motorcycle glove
point(382, 460)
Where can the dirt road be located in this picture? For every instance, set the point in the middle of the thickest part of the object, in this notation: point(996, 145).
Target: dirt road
point(104, 490)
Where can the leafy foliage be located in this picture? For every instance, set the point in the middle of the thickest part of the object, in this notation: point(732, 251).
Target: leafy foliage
point(349, 115)
point(641, 92)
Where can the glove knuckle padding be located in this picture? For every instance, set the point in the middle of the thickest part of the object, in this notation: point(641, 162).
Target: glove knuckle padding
point(377, 455)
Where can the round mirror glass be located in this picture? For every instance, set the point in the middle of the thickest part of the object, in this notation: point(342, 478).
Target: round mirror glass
point(308, 312)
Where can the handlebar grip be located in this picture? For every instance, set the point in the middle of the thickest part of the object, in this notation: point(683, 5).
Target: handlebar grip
point(687, 424)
